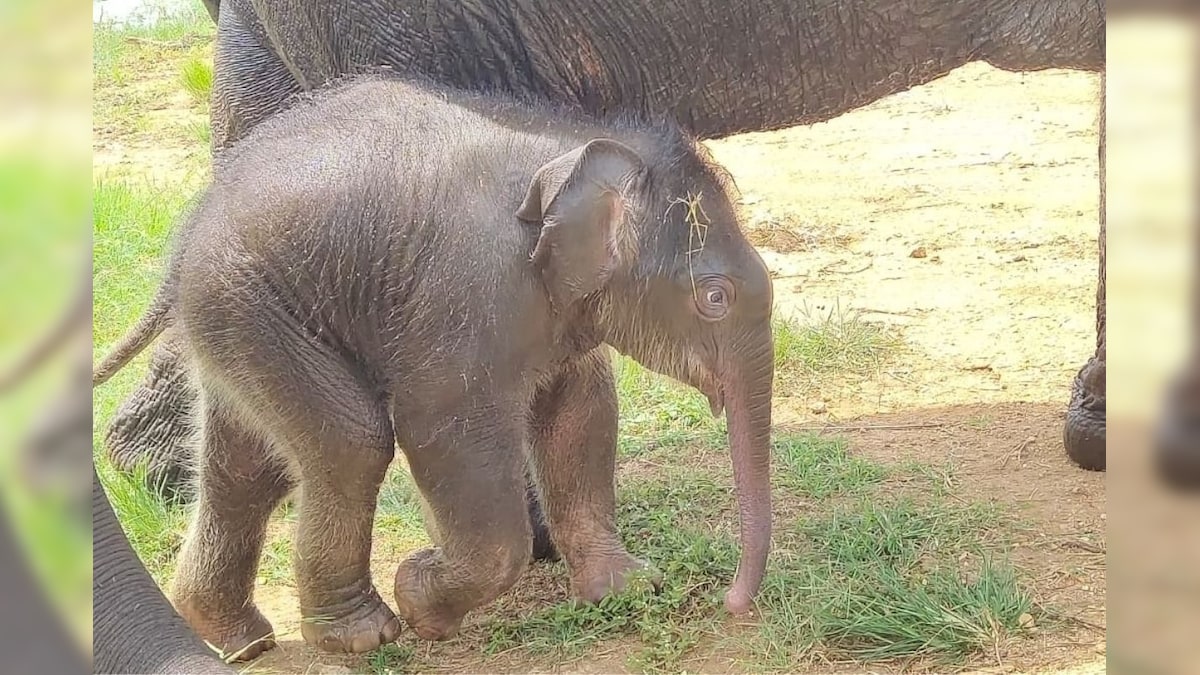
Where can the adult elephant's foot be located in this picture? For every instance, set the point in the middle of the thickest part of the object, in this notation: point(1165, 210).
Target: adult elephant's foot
point(154, 428)
point(239, 636)
point(1177, 436)
point(610, 574)
point(361, 625)
point(1085, 429)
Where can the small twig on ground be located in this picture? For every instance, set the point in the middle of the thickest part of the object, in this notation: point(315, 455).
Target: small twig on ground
point(1086, 546)
point(906, 312)
point(1085, 623)
point(1071, 619)
point(164, 44)
point(1019, 451)
point(875, 427)
point(829, 268)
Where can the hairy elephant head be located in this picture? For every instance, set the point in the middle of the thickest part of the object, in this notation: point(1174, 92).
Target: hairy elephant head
point(645, 244)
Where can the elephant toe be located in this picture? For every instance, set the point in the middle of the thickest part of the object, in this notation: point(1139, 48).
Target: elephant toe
point(1084, 438)
point(239, 638)
point(371, 626)
point(610, 575)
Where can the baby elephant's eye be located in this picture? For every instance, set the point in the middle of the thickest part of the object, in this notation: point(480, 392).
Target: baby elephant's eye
point(714, 295)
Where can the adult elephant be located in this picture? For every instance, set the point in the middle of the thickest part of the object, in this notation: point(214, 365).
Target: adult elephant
point(719, 67)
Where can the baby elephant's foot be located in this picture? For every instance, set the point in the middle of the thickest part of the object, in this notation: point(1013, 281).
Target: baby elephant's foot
point(610, 574)
point(239, 636)
point(430, 617)
point(368, 625)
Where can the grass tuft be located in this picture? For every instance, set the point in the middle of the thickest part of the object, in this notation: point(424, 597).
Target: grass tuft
point(833, 343)
point(884, 580)
point(390, 658)
point(197, 79)
point(154, 527)
point(817, 467)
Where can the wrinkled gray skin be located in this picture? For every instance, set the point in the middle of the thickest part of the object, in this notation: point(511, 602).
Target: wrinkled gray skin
point(135, 629)
point(440, 271)
point(719, 68)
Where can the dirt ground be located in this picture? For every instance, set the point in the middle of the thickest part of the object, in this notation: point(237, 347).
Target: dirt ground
point(964, 214)
point(1004, 452)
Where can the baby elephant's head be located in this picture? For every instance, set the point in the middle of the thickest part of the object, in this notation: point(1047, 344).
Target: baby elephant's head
point(647, 242)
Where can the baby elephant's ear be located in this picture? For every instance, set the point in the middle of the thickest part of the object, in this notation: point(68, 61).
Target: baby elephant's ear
point(580, 200)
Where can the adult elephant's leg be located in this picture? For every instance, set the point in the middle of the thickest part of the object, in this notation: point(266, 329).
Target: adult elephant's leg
point(135, 629)
point(1177, 436)
point(1085, 430)
point(250, 81)
point(153, 427)
point(574, 443)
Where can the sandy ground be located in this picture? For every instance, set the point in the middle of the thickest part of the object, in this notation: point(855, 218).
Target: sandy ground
point(993, 176)
point(964, 214)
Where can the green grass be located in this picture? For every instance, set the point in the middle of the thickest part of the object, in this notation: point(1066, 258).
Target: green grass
point(835, 343)
point(197, 79)
point(391, 658)
point(887, 579)
point(112, 45)
point(155, 528)
point(820, 467)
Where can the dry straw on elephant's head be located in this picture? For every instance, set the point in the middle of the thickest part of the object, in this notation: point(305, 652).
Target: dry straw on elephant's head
point(697, 221)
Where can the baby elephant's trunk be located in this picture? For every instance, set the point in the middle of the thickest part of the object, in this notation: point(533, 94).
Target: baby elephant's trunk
point(747, 390)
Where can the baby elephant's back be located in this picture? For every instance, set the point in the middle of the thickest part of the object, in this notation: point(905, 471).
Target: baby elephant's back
point(304, 209)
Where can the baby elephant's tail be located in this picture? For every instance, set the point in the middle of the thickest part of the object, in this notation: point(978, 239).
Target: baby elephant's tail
point(149, 327)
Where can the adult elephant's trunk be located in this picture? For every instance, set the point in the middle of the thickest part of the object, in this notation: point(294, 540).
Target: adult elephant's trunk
point(747, 390)
point(135, 628)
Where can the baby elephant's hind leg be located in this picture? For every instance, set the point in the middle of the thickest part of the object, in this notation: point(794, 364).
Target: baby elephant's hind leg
point(241, 483)
point(337, 430)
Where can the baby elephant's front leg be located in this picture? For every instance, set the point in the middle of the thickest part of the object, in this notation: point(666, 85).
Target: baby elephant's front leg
point(473, 480)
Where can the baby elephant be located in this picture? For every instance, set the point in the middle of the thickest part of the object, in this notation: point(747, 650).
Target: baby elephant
point(388, 264)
